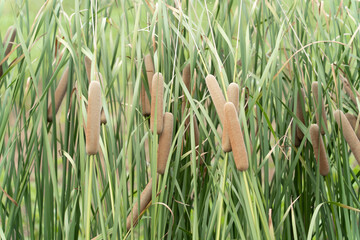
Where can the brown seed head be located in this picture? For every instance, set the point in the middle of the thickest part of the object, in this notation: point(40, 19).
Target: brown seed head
point(145, 102)
point(216, 96)
point(165, 143)
point(157, 94)
point(59, 94)
point(93, 118)
point(236, 137)
point(355, 124)
point(319, 150)
point(348, 133)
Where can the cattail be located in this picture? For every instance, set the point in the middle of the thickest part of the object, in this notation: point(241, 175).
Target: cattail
point(354, 122)
point(93, 118)
point(145, 198)
point(349, 91)
point(145, 102)
point(103, 117)
point(186, 76)
point(196, 135)
point(157, 94)
point(9, 39)
point(59, 95)
point(348, 133)
point(165, 143)
point(233, 96)
point(216, 96)
point(314, 88)
point(319, 150)
point(236, 137)
point(300, 112)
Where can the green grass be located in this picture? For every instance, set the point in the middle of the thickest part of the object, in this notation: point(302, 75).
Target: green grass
point(51, 189)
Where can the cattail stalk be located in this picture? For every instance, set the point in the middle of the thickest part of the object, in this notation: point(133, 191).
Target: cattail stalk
point(319, 150)
point(300, 112)
point(93, 118)
point(59, 95)
point(348, 133)
point(233, 96)
point(236, 137)
point(216, 96)
point(157, 94)
point(145, 198)
point(145, 102)
point(349, 91)
point(354, 122)
point(314, 88)
point(165, 143)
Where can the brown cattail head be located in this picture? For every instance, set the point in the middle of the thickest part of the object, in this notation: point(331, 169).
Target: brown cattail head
point(319, 150)
point(349, 91)
point(233, 96)
point(300, 112)
point(165, 143)
point(103, 117)
point(236, 137)
point(93, 118)
point(186, 76)
point(157, 94)
point(216, 95)
point(314, 88)
point(59, 95)
point(145, 198)
point(145, 102)
point(9, 40)
point(354, 122)
point(348, 133)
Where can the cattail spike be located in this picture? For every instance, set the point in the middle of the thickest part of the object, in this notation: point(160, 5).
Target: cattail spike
point(233, 96)
point(88, 67)
point(314, 88)
point(319, 150)
point(145, 198)
point(186, 76)
point(349, 91)
point(236, 137)
point(157, 94)
point(59, 95)
point(216, 96)
point(93, 118)
point(145, 102)
point(348, 133)
point(354, 122)
point(165, 143)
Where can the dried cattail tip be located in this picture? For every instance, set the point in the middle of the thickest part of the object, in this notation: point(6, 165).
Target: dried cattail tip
point(145, 199)
point(348, 133)
point(157, 94)
point(216, 95)
point(300, 112)
point(145, 102)
point(233, 96)
point(314, 88)
point(319, 150)
point(165, 143)
point(236, 137)
point(354, 122)
point(59, 95)
point(93, 118)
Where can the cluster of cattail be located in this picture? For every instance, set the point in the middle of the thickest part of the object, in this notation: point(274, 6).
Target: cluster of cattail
point(232, 137)
point(315, 130)
point(8, 42)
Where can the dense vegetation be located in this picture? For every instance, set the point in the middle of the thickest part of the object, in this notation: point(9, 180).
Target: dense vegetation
point(273, 50)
